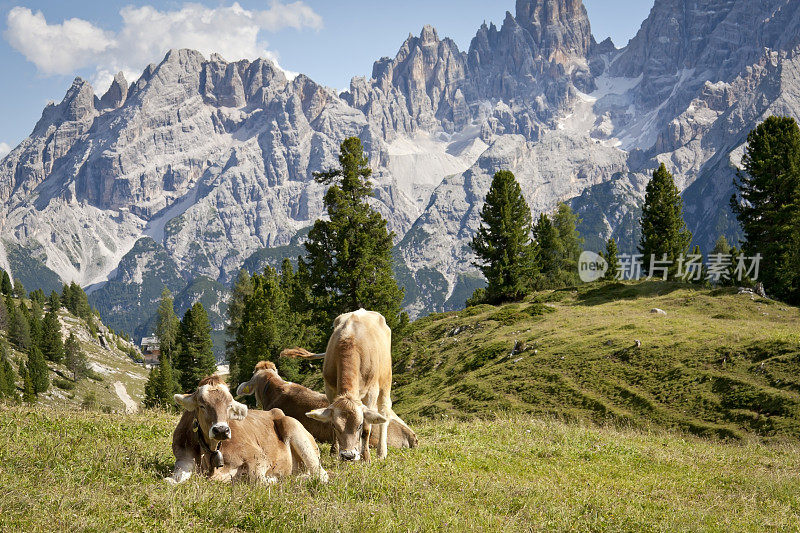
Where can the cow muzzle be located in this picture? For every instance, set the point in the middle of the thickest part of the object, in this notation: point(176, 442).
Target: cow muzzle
point(350, 455)
point(220, 432)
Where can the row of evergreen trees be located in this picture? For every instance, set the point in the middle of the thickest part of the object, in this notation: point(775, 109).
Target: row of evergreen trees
point(37, 334)
point(517, 256)
point(186, 352)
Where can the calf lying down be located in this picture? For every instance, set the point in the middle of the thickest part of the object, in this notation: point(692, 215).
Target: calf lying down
point(271, 391)
point(219, 438)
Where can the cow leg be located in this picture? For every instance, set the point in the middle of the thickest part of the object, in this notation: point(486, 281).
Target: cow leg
point(306, 450)
point(184, 467)
point(365, 435)
point(384, 408)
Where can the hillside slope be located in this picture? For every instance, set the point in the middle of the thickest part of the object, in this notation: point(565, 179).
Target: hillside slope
point(109, 364)
point(718, 363)
point(71, 471)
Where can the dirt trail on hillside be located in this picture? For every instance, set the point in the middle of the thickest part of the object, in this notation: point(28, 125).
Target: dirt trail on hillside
point(131, 407)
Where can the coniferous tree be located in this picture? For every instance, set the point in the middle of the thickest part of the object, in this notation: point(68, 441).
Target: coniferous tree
point(167, 324)
point(19, 290)
point(664, 232)
point(54, 301)
point(19, 330)
point(611, 255)
point(35, 323)
point(75, 359)
point(38, 371)
point(194, 357)
point(503, 245)
point(38, 297)
point(8, 386)
point(242, 291)
point(28, 389)
point(160, 386)
point(5, 320)
point(768, 204)
point(551, 252)
point(5, 284)
point(349, 259)
point(51, 343)
point(566, 223)
point(66, 298)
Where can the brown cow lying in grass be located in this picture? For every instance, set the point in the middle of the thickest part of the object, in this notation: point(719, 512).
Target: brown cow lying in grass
point(219, 438)
point(295, 400)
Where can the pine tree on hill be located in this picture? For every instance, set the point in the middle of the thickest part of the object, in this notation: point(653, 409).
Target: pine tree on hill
point(551, 252)
point(28, 389)
point(19, 290)
point(611, 255)
point(566, 223)
point(242, 291)
point(19, 331)
point(75, 359)
point(51, 343)
point(503, 245)
point(768, 204)
point(35, 324)
point(194, 357)
point(54, 301)
point(5, 284)
point(5, 319)
point(167, 324)
point(8, 387)
point(38, 370)
point(349, 257)
point(162, 382)
point(38, 297)
point(664, 232)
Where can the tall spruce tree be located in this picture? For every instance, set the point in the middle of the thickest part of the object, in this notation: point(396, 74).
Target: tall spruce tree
point(51, 344)
point(38, 370)
point(349, 257)
point(503, 244)
point(234, 350)
point(768, 204)
point(8, 387)
point(28, 389)
point(19, 330)
point(75, 358)
point(566, 223)
point(54, 301)
point(35, 323)
point(5, 284)
point(194, 357)
point(167, 324)
point(19, 290)
point(551, 252)
point(664, 232)
point(162, 383)
point(611, 255)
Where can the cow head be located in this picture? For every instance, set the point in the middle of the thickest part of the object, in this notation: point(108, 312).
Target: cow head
point(249, 388)
point(347, 417)
point(213, 406)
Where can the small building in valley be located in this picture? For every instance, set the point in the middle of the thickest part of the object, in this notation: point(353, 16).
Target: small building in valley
point(151, 350)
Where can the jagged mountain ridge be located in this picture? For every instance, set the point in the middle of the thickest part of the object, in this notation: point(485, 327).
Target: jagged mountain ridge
point(212, 160)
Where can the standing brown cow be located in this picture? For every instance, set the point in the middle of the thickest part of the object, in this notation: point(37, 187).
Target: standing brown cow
point(271, 391)
point(358, 382)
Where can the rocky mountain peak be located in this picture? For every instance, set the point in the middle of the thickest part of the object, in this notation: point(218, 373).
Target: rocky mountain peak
point(116, 94)
point(560, 28)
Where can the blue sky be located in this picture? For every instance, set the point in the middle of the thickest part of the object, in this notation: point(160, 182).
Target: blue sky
point(45, 44)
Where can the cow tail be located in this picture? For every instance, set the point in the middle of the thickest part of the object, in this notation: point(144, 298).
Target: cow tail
point(300, 353)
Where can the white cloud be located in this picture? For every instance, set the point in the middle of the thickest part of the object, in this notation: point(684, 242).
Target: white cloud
point(147, 33)
point(4, 149)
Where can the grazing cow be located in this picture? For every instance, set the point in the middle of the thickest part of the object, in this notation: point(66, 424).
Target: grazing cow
point(217, 436)
point(358, 381)
point(271, 391)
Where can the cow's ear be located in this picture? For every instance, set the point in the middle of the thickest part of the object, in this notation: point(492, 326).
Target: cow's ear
point(373, 417)
point(237, 411)
point(186, 401)
point(246, 389)
point(323, 415)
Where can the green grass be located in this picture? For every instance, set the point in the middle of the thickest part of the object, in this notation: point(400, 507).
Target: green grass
point(70, 470)
point(719, 364)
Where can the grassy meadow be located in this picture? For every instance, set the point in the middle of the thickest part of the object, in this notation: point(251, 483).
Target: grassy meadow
point(75, 471)
point(545, 414)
